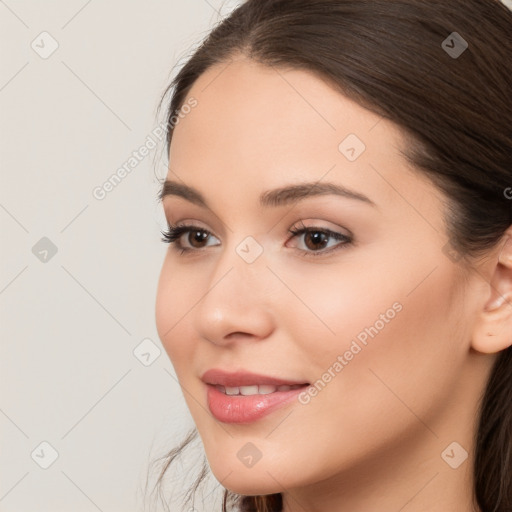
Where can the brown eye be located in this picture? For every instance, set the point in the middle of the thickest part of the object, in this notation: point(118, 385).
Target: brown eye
point(187, 238)
point(315, 240)
point(197, 237)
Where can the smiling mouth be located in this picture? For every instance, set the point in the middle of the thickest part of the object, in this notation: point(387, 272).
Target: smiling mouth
point(263, 389)
point(248, 403)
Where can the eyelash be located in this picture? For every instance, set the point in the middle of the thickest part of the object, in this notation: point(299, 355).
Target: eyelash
point(174, 233)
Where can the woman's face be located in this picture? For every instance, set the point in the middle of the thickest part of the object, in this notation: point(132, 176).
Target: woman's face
point(376, 320)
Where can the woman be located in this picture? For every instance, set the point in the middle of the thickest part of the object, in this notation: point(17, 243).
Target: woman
point(336, 296)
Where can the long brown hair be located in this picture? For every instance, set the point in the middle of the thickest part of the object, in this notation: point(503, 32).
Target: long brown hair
point(454, 107)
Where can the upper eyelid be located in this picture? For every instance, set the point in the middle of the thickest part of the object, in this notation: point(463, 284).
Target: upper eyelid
point(193, 222)
point(297, 230)
point(301, 227)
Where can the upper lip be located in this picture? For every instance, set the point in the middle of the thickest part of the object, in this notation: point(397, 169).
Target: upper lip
point(243, 378)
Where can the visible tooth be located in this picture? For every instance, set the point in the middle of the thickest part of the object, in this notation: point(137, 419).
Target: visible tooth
point(265, 389)
point(262, 389)
point(248, 390)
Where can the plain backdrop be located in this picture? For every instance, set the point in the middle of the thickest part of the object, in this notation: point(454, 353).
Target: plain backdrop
point(84, 407)
point(88, 396)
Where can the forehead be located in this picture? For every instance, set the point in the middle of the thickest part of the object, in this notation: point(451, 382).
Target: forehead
point(257, 127)
point(244, 92)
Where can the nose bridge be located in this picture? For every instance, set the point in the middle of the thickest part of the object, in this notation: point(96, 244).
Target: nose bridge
point(242, 261)
point(241, 272)
point(236, 298)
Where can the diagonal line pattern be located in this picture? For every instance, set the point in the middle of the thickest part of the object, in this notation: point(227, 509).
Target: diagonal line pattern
point(216, 76)
point(213, 7)
point(13, 423)
point(406, 503)
point(375, 124)
point(14, 485)
point(13, 279)
point(95, 404)
point(14, 218)
point(278, 424)
point(74, 218)
point(419, 419)
point(217, 485)
point(218, 11)
point(95, 95)
point(76, 14)
point(14, 76)
point(13, 13)
point(96, 300)
point(424, 279)
point(301, 300)
point(81, 491)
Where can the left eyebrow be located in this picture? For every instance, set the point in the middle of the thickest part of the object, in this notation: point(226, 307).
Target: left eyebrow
point(271, 198)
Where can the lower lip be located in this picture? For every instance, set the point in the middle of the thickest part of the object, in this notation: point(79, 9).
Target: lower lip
point(246, 409)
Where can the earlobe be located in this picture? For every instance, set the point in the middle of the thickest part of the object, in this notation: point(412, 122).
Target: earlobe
point(493, 329)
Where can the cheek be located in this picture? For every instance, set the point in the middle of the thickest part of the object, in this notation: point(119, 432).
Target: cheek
point(398, 345)
point(337, 304)
point(174, 299)
point(334, 303)
point(384, 322)
point(405, 371)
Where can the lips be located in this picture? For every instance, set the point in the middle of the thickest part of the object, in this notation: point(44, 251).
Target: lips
point(244, 397)
point(243, 379)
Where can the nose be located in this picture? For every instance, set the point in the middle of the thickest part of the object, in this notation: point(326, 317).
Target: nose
point(237, 301)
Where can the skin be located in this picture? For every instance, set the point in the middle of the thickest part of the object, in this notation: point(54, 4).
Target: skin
point(372, 438)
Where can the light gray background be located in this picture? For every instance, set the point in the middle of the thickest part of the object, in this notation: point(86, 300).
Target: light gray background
point(69, 324)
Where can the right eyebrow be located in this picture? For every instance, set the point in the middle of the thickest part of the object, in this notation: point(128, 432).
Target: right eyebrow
point(293, 193)
point(271, 198)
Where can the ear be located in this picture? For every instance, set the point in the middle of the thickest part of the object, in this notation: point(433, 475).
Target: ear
point(493, 327)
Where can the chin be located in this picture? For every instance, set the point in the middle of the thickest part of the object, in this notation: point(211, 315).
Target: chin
point(250, 482)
